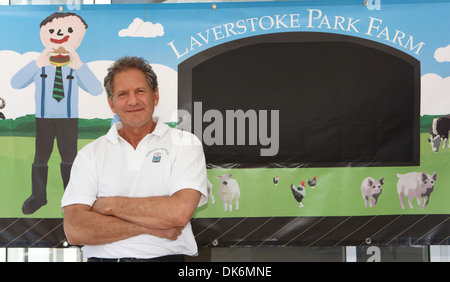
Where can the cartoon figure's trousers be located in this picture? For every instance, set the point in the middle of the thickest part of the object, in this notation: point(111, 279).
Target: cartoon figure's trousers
point(66, 133)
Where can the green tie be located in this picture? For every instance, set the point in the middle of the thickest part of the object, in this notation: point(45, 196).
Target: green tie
point(58, 88)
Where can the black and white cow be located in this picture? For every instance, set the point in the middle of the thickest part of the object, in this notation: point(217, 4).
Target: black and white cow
point(2, 105)
point(439, 131)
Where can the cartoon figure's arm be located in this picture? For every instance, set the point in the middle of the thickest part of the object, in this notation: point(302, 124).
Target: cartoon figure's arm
point(24, 76)
point(88, 81)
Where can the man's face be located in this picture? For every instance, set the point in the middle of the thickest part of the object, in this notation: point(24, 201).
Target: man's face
point(133, 99)
point(67, 31)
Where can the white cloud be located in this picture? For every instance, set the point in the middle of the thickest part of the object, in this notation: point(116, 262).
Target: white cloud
point(435, 98)
point(139, 28)
point(89, 106)
point(442, 54)
point(18, 102)
point(168, 93)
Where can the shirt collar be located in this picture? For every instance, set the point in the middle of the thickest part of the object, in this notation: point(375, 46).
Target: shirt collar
point(113, 133)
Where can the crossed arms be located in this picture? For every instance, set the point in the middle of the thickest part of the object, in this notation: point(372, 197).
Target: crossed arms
point(116, 218)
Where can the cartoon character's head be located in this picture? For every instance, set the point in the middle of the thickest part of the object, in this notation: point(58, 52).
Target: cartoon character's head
point(63, 28)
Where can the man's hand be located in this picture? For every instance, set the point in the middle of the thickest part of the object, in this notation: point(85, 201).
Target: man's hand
point(103, 205)
point(171, 234)
point(83, 226)
point(159, 212)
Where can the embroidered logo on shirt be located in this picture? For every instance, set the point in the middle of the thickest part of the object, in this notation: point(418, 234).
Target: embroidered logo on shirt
point(157, 154)
point(156, 157)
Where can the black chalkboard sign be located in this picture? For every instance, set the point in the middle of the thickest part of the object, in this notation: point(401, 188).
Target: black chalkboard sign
point(303, 100)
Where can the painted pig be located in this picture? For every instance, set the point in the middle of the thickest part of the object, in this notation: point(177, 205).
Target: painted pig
point(415, 185)
point(371, 190)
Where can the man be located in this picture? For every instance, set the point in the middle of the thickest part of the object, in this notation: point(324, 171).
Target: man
point(57, 77)
point(133, 191)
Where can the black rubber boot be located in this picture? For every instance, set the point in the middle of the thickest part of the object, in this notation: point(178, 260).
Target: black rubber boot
point(38, 196)
point(65, 173)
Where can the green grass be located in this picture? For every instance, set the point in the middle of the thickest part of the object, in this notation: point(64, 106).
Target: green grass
point(338, 192)
point(16, 157)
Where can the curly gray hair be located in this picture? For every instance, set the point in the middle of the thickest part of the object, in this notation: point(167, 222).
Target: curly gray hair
point(126, 63)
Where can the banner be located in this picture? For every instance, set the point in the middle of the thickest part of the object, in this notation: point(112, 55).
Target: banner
point(323, 123)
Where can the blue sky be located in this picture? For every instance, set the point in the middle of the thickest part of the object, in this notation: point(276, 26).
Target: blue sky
point(428, 23)
point(191, 28)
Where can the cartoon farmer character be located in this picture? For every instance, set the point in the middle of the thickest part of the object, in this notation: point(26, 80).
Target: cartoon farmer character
point(57, 73)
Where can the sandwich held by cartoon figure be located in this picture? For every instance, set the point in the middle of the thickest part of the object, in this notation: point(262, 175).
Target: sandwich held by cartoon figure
point(59, 57)
point(57, 74)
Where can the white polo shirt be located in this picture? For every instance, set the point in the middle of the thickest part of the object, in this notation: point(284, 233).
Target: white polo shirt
point(164, 162)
